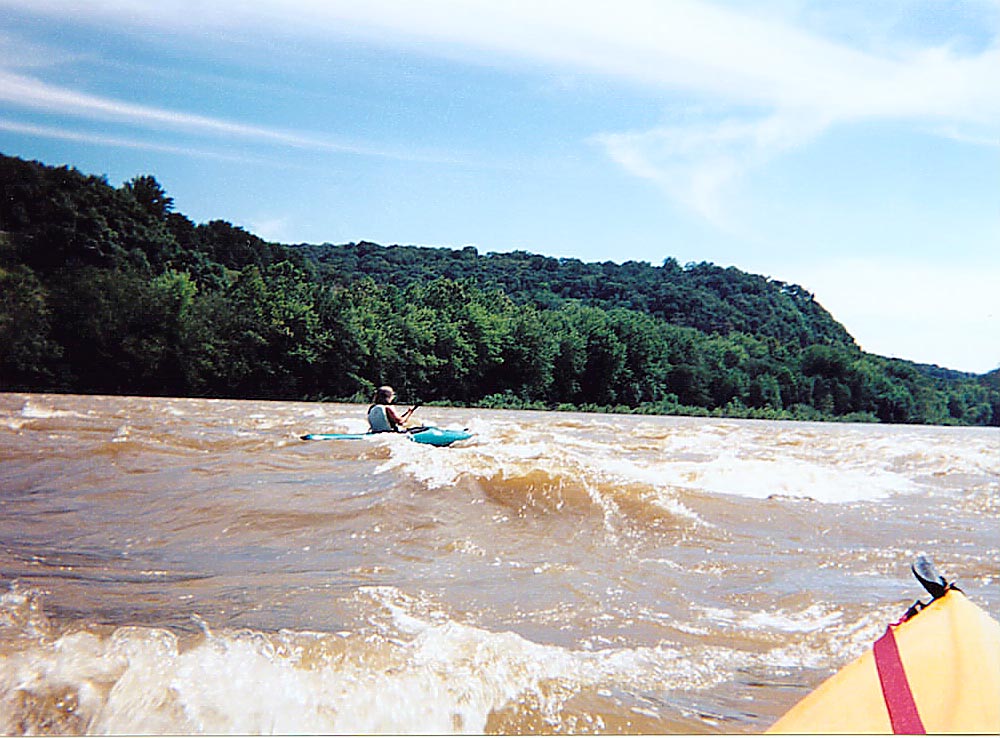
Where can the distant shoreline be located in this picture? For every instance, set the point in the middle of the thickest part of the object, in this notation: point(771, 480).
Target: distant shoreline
point(804, 415)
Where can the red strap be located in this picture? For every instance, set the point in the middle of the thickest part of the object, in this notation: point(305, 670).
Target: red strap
point(895, 688)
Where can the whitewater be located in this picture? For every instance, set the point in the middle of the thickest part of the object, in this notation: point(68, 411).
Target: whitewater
point(191, 566)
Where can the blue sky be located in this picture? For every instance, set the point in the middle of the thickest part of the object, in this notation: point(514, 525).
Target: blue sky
point(850, 147)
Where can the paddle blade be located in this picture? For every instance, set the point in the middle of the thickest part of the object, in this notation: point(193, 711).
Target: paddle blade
point(928, 575)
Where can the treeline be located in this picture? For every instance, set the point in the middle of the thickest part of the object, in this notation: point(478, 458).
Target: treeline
point(702, 296)
point(108, 290)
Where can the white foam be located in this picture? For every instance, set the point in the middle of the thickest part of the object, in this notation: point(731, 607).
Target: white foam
point(829, 463)
point(122, 434)
point(448, 678)
point(354, 425)
point(413, 669)
point(32, 411)
point(831, 646)
point(626, 470)
point(502, 667)
point(761, 478)
point(809, 620)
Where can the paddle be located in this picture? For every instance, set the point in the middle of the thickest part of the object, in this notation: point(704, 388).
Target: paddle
point(408, 413)
point(928, 575)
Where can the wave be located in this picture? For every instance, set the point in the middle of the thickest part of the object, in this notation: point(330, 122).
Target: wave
point(538, 474)
point(412, 669)
point(651, 474)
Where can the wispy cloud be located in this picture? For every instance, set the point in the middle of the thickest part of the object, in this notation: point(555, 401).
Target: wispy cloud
point(25, 92)
point(17, 53)
point(689, 45)
point(783, 86)
point(681, 45)
point(694, 164)
point(971, 138)
point(100, 139)
point(797, 83)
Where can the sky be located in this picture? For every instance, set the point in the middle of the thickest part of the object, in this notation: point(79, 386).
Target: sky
point(848, 146)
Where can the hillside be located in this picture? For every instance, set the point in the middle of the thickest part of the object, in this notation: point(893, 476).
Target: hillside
point(107, 289)
point(702, 296)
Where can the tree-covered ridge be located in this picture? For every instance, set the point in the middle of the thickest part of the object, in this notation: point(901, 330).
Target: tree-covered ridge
point(702, 296)
point(108, 290)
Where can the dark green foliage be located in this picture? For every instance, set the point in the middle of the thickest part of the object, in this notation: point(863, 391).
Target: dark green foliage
point(27, 354)
point(148, 193)
point(108, 290)
point(702, 296)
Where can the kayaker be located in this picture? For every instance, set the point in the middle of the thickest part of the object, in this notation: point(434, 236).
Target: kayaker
point(382, 416)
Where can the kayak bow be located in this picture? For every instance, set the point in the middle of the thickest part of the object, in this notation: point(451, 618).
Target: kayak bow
point(936, 671)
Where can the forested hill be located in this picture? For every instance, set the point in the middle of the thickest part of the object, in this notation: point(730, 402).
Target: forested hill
point(108, 290)
point(702, 296)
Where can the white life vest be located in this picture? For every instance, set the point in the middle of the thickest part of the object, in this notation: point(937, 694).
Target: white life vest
point(378, 420)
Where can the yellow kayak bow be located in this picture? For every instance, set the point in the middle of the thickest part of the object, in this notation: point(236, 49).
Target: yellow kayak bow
point(937, 671)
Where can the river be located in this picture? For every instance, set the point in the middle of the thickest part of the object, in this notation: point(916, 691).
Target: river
point(192, 566)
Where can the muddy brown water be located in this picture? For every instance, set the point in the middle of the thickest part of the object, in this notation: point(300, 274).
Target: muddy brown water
point(192, 566)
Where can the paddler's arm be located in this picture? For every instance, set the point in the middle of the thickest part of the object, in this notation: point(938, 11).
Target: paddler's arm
point(410, 412)
point(395, 417)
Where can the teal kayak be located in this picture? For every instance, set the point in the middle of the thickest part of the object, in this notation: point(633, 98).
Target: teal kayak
point(426, 434)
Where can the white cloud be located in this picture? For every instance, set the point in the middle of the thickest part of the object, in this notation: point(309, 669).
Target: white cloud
point(18, 53)
point(796, 82)
point(687, 45)
point(101, 139)
point(695, 164)
point(26, 92)
point(972, 138)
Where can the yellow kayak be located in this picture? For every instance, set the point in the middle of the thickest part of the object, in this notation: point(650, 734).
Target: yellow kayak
point(936, 672)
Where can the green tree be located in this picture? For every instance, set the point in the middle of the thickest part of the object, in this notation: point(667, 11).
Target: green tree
point(29, 354)
point(148, 193)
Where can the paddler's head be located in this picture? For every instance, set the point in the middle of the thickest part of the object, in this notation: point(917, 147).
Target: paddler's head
point(384, 395)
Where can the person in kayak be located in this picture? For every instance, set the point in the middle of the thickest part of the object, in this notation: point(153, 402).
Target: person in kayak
point(382, 416)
